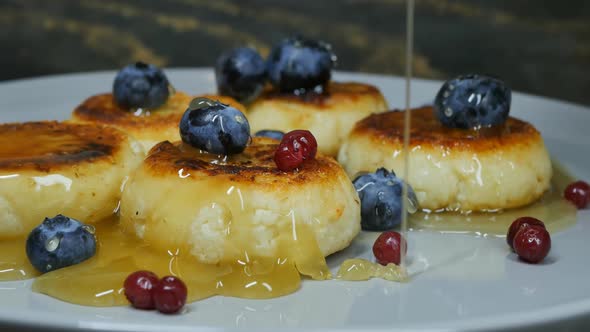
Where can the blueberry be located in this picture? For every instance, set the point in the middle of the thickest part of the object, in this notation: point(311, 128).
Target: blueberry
point(240, 73)
point(214, 127)
point(298, 64)
point(472, 102)
point(141, 86)
point(276, 134)
point(59, 242)
point(381, 199)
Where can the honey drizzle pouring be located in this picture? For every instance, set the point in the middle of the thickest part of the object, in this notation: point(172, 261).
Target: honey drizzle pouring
point(361, 269)
point(407, 124)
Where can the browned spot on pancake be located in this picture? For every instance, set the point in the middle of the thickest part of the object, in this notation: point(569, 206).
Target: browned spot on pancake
point(426, 130)
point(46, 146)
point(255, 164)
point(334, 93)
point(103, 109)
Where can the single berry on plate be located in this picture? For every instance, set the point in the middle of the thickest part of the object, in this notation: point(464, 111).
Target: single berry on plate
point(296, 147)
point(139, 289)
point(59, 242)
point(472, 102)
point(141, 85)
point(518, 224)
point(275, 134)
point(532, 244)
point(169, 295)
point(381, 199)
point(299, 65)
point(214, 127)
point(578, 193)
point(240, 73)
point(387, 248)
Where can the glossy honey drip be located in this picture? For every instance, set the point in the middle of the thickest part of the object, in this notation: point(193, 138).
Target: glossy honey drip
point(14, 264)
point(361, 269)
point(98, 281)
point(357, 269)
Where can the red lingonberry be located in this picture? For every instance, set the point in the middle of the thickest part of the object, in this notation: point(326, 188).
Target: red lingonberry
point(295, 147)
point(578, 193)
point(532, 243)
point(518, 224)
point(170, 295)
point(387, 248)
point(138, 288)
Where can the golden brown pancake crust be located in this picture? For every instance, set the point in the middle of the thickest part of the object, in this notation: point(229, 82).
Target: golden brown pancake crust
point(255, 164)
point(426, 130)
point(334, 93)
point(49, 145)
point(102, 108)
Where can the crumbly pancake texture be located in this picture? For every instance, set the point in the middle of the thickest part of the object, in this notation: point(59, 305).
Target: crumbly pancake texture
point(47, 168)
point(329, 116)
point(217, 209)
point(454, 169)
point(149, 127)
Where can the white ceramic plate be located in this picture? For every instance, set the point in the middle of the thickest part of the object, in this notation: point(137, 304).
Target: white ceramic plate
point(460, 282)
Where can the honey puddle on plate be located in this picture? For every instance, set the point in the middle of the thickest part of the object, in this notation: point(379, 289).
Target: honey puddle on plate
point(552, 209)
point(99, 280)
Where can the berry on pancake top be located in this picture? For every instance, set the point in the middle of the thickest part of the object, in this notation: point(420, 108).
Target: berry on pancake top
point(472, 102)
point(214, 127)
point(295, 65)
point(141, 85)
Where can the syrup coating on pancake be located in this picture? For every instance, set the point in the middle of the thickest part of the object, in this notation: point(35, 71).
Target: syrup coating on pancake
point(427, 130)
point(452, 169)
point(218, 207)
point(103, 108)
point(334, 94)
point(50, 168)
point(254, 165)
point(50, 145)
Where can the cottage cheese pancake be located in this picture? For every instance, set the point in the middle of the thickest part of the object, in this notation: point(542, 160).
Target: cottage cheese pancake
point(501, 167)
point(147, 126)
point(49, 168)
point(329, 115)
point(218, 209)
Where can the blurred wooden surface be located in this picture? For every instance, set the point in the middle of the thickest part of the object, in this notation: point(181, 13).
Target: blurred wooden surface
point(537, 46)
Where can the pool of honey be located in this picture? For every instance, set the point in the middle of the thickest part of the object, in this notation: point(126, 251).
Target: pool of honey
point(357, 269)
point(98, 281)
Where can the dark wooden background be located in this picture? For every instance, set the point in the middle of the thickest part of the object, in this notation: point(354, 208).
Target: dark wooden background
point(537, 46)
